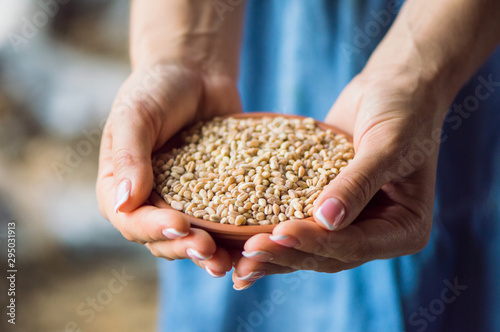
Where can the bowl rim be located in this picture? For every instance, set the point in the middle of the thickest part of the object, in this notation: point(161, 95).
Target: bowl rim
point(243, 231)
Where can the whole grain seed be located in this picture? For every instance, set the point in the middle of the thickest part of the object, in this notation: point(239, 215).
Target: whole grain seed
point(215, 218)
point(250, 171)
point(177, 205)
point(299, 214)
point(239, 220)
point(200, 213)
point(260, 216)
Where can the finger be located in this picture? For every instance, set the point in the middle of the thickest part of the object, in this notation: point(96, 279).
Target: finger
point(248, 271)
point(198, 245)
point(399, 233)
point(149, 224)
point(218, 265)
point(344, 197)
point(347, 245)
point(132, 145)
point(145, 224)
point(264, 248)
point(105, 174)
point(139, 123)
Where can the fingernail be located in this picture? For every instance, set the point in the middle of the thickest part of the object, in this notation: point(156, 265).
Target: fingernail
point(122, 193)
point(285, 240)
point(261, 256)
point(331, 213)
point(213, 274)
point(196, 255)
point(243, 287)
point(172, 233)
point(252, 276)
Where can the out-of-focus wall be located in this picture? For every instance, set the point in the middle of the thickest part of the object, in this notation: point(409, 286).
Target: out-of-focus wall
point(61, 64)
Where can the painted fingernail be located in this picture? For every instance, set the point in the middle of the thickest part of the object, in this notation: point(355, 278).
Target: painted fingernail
point(214, 274)
point(243, 287)
point(285, 240)
point(261, 256)
point(122, 193)
point(196, 255)
point(252, 276)
point(172, 233)
point(331, 213)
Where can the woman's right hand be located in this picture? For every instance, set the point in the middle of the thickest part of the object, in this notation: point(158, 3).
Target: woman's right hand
point(155, 102)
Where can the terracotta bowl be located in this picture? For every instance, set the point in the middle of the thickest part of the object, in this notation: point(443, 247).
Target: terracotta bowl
point(224, 234)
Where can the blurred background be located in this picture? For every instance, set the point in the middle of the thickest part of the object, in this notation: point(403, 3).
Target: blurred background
point(61, 64)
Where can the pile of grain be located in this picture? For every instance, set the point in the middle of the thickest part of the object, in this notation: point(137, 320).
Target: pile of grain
point(251, 171)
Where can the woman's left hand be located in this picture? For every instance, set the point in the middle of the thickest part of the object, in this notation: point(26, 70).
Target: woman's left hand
point(380, 206)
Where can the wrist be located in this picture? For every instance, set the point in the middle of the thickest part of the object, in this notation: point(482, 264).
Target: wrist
point(417, 67)
point(190, 32)
point(202, 56)
point(442, 42)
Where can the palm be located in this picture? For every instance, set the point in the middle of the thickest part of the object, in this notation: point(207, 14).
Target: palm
point(152, 106)
point(389, 186)
point(389, 122)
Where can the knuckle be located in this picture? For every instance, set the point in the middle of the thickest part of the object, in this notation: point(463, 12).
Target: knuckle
point(150, 233)
point(122, 159)
point(179, 253)
point(357, 185)
point(146, 228)
point(360, 253)
point(332, 266)
point(154, 252)
point(420, 238)
point(419, 245)
point(418, 231)
point(328, 246)
point(127, 235)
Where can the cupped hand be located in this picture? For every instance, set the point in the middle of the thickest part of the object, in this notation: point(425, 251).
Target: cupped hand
point(380, 206)
point(154, 104)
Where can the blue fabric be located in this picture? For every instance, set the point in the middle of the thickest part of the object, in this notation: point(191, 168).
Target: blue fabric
point(297, 57)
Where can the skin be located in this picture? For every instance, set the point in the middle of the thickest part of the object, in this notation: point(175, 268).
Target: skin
point(391, 108)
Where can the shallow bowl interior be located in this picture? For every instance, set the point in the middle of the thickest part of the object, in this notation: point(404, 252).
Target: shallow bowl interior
point(225, 234)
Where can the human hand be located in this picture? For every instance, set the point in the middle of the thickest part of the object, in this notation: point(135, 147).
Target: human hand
point(154, 104)
point(380, 206)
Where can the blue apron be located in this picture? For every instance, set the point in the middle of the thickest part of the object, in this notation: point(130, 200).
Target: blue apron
point(297, 57)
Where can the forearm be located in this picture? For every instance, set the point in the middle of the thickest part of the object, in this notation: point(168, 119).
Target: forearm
point(193, 31)
point(444, 41)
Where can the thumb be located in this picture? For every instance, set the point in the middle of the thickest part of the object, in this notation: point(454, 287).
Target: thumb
point(347, 195)
point(132, 145)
